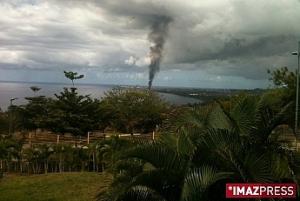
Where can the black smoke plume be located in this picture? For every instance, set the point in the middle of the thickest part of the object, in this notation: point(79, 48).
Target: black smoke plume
point(157, 36)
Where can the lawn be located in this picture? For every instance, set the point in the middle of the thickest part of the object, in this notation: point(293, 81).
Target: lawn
point(53, 187)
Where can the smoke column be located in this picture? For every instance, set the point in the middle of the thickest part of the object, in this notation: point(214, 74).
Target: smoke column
point(157, 36)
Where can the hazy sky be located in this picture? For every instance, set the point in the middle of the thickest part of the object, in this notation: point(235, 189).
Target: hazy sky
point(210, 43)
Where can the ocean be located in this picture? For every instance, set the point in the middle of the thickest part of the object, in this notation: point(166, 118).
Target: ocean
point(20, 90)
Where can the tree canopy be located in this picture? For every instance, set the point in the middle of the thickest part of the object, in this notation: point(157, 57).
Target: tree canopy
point(131, 110)
point(73, 113)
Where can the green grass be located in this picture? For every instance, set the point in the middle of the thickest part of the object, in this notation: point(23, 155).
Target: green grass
point(53, 187)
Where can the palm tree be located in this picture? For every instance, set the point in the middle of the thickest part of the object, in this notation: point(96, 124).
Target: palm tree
point(72, 76)
point(109, 150)
point(223, 142)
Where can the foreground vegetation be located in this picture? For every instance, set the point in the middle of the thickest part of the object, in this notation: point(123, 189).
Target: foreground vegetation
point(200, 149)
point(50, 158)
point(232, 141)
point(53, 187)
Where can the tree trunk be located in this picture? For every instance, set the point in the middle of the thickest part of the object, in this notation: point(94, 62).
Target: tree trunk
point(7, 166)
point(94, 162)
point(1, 168)
point(46, 167)
point(21, 165)
point(60, 163)
point(33, 168)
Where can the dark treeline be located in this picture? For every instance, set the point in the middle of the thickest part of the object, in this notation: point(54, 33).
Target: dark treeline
point(121, 110)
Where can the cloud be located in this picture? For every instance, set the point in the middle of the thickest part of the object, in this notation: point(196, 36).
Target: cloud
point(138, 62)
point(131, 60)
point(221, 37)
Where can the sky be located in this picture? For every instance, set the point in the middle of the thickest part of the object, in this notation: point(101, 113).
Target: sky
point(208, 43)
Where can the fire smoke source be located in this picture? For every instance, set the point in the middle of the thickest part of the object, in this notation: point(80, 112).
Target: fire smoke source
point(157, 36)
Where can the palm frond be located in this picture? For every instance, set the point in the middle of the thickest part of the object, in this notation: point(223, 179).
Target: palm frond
point(258, 168)
point(161, 157)
point(185, 145)
point(141, 193)
point(217, 119)
point(165, 182)
point(244, 114)
point(198, 181)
